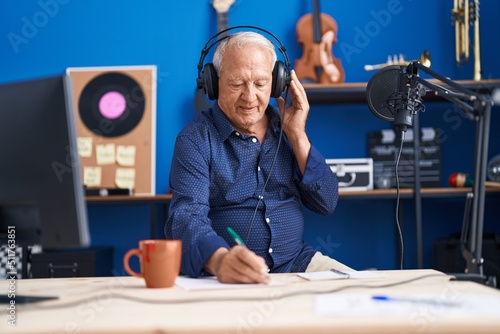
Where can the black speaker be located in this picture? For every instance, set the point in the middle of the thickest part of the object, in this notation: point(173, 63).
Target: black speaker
point(207, 75)
point(448, 258)
point(81, 262)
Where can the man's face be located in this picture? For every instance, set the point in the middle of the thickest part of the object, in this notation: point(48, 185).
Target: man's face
point(245, 87)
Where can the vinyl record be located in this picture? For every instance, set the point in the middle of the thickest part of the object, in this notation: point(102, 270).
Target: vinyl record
point(111, 105)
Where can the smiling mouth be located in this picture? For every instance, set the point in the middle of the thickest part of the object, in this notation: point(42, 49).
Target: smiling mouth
point(248, 109)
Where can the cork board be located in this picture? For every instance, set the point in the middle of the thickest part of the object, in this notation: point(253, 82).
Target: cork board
point(116, 126)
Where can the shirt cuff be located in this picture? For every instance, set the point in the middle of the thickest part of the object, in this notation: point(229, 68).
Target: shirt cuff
point(206, 247)
point(315, 168)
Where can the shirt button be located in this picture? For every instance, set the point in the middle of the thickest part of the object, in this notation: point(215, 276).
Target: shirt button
point(270, 250)
point(268, 220)
point(254, 140)
point(237, 133)
point(258, 168)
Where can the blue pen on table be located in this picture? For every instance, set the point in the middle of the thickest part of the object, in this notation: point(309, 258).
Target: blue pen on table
point(427, 301)
point(236, 237)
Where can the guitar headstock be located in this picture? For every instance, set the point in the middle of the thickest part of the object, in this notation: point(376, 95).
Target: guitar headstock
point(222, 6)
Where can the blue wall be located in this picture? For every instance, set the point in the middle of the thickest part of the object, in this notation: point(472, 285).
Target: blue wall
point(40, 38)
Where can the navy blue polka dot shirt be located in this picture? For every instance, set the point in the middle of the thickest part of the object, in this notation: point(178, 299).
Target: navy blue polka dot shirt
point(217, 177)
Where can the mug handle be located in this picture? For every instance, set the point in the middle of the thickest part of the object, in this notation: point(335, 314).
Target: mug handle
point(126, 260)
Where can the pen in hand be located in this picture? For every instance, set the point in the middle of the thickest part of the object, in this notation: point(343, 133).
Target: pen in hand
point(240, 242)
point(236, 237)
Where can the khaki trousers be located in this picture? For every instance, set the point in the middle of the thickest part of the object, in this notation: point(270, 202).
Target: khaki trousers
point(320, 262)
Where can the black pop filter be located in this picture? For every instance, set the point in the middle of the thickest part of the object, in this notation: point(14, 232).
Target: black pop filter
point(382, 91)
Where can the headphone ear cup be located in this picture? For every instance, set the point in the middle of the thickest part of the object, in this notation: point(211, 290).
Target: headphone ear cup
point(210, 81)
point(279, 79)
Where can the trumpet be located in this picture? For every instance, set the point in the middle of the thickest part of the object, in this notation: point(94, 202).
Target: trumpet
point(466, 14)
point(425, 59)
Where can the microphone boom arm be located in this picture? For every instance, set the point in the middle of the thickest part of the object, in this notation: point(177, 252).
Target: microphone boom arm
point(460, 97)
point(481, 110)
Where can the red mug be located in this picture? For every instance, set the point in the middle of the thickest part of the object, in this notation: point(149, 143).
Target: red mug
point(160, 262)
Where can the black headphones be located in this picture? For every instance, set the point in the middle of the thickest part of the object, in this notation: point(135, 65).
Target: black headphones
point(207, 75)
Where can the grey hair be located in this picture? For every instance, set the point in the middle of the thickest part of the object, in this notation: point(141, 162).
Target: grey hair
point(238, 40)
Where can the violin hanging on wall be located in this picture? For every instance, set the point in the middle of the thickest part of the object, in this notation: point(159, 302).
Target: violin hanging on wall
point(317, 33)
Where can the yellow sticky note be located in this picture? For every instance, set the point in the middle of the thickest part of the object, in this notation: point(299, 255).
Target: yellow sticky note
point(125, 178)
point(105, 154)
point(92, 176)
point(125, 155)
point(84, 146)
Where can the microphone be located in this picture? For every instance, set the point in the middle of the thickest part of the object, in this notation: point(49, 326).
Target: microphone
point(394, 95)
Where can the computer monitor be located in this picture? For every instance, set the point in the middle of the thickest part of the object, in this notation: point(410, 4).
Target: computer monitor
point(41, 193)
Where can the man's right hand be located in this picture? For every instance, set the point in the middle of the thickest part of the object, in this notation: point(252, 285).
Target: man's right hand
point(237, 265)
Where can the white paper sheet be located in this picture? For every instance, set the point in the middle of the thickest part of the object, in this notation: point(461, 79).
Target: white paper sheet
point(331, 275)
point(360, 305)
point(211, 283)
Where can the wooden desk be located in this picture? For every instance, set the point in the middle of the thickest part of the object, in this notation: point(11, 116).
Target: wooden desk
point(125, 305)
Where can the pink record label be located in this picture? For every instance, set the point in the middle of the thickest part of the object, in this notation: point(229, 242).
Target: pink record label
point(112, 105)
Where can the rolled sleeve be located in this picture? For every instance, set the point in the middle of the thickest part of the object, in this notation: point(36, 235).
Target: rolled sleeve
point(319, 185)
